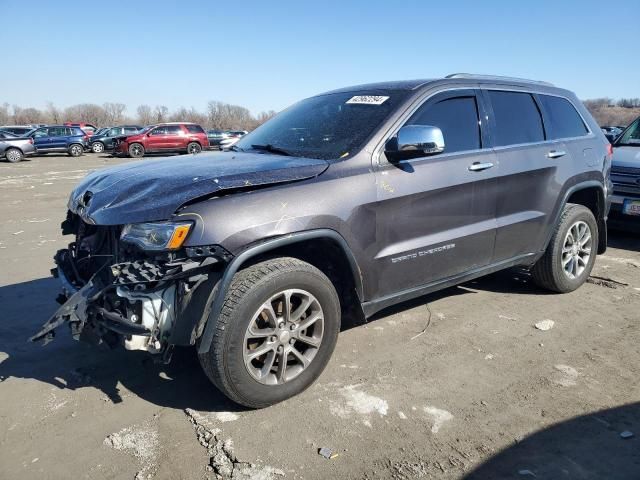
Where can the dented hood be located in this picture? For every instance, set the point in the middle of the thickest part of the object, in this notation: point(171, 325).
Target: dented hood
point(150, 190)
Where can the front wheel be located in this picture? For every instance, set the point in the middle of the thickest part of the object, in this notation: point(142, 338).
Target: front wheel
point(194, 148)
point(14, 155)
point(136, 150)
point(97, 147)
point(275, 334)
point(571, 253)
point(75, 150)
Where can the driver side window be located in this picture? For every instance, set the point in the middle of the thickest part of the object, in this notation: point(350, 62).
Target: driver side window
point(458, 119)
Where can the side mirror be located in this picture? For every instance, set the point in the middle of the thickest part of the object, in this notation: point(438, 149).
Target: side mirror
point(415, 141)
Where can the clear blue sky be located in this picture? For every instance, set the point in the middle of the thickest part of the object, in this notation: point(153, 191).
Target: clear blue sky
point(268, 54)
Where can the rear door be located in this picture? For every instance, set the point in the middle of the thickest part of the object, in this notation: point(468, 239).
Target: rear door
point(435, 215)
point(527, 172)
point(58, 138)
point(176, 138)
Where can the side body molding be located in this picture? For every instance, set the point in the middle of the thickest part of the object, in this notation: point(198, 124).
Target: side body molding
point(235, 264)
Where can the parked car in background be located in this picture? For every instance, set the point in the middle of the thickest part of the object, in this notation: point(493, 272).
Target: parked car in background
point(611, 132)
point(60, 138)
point(104, 140)
point(15, 148)
point(101, 130)
point(224, 138)
point(216, 136)
point(344, 204)
point(625, 175)
point(174, 137)
point(18, 129)
point(88, 128)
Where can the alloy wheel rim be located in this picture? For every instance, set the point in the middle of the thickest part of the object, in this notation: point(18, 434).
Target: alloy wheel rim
point(576, 249)
point(283, 337)
point(75, 150)
point(13, 155)
point(97, 147)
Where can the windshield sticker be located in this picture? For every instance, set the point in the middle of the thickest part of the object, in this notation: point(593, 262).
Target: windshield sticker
point(368, 99)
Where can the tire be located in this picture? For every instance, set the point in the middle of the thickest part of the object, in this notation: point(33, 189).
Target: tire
point(14, 155)
point(75, 150)
point(227, 362)
point(194, 148)
point(97, 147)
point(136, 150)
point(565, 267)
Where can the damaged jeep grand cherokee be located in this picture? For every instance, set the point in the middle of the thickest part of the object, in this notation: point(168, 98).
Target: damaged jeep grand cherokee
point(345, 203)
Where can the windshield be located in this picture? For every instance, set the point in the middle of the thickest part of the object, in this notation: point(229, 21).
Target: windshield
point(631, 136)
point(327, 126)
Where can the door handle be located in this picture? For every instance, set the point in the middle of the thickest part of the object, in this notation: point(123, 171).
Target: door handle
point(556, 154)
point(477, 166)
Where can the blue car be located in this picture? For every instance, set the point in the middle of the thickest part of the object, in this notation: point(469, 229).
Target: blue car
point(60, 138)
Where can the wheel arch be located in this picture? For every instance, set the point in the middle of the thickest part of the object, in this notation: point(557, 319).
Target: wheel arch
point(591, 195)
point(301, 245)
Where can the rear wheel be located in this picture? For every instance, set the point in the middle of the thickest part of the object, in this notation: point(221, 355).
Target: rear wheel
point(571, 253)
point(75, 150)
point(14, 155)
point(97, 147)
point(194, 148)
point(136, 150)
point(275, 334)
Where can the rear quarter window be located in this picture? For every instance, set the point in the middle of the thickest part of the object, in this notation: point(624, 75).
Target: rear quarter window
point(517, 118)
point(194, 129)
point(564, 120)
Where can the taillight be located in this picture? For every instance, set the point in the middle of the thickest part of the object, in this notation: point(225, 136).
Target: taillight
point(86, 138)
point(31, 141)
point(610, 150)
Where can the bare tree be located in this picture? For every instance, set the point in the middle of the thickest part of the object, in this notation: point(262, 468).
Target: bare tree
point(114, 112)
point(145, 115)
point(5, 116)
point(52, 114)
point(161, 112)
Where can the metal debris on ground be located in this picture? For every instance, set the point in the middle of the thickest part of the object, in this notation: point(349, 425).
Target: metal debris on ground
point(545, 325)
point(427, 324)
point(606, 282)
point(627, 434)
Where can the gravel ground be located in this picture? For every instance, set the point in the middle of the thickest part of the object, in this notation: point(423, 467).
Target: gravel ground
point(460, 384)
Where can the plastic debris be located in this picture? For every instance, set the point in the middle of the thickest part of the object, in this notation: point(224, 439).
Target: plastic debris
point(325, 452)
point(545, 325)
point(626, 434)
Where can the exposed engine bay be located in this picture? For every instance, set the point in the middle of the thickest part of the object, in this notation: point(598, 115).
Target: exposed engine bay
point(117, 294)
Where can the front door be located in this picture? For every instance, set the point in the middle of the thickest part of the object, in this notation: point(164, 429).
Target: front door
point(436, 214)
point(156, 139)
point(41, 139)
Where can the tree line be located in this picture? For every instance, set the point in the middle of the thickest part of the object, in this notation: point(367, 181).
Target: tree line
point(608, 111)
point(218, 115)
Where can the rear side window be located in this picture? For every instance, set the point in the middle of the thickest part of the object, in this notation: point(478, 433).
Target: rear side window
point(457, 118)
point(174, 130)
point(517, 118)
point(194, 129)
point(57, 131)
point(130, 129)
point(564, 121)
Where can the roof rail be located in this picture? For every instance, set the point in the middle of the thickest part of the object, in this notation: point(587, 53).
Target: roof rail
point(498, 77)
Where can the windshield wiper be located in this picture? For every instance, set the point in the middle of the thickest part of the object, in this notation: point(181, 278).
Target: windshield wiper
point(271, 149)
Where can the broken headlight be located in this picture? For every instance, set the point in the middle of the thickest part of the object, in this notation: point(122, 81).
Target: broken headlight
point(156, 235)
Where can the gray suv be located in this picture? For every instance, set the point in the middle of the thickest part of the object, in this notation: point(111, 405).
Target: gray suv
point(343, 204)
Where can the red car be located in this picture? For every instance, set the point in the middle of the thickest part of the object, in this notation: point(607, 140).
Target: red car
point(176, 137)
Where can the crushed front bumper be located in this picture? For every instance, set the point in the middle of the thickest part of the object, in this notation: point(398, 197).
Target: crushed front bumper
point(143, 304)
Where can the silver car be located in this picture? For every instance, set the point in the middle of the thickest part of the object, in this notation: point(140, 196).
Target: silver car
point(15, 148)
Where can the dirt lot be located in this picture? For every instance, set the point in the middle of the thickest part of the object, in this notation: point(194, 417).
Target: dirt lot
point(478, 391)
